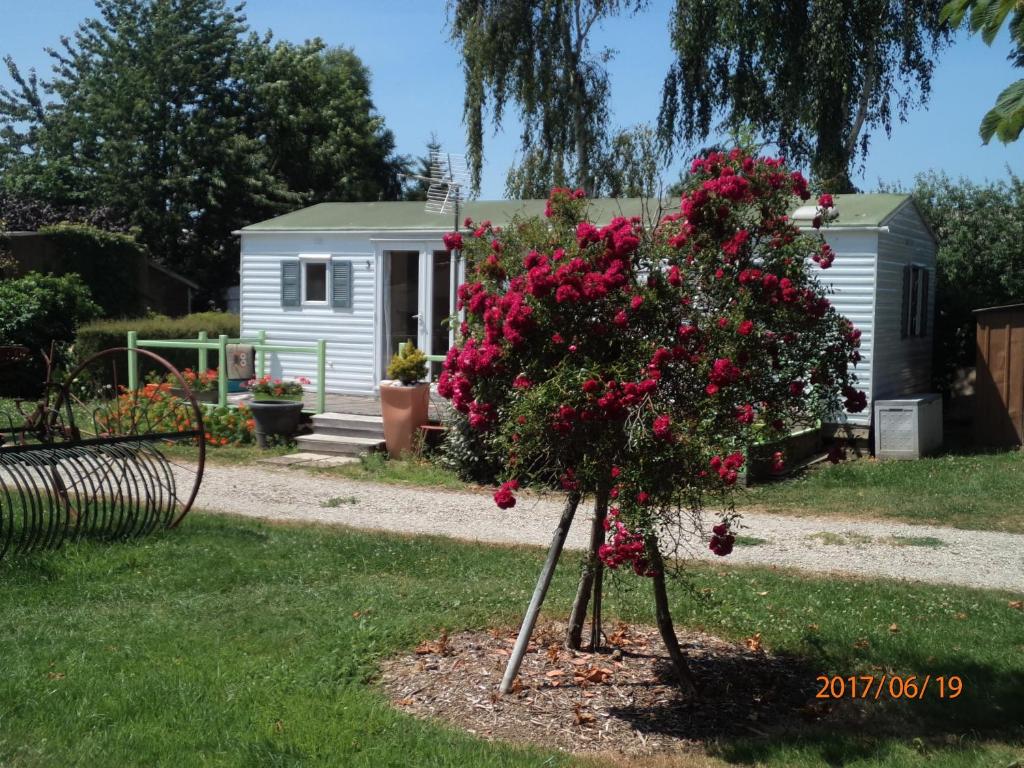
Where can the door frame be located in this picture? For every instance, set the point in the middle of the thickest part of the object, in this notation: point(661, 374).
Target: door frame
point(424, 326)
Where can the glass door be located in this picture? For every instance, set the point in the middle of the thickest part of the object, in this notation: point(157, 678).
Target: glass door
point(440, 308)
point(402, 301)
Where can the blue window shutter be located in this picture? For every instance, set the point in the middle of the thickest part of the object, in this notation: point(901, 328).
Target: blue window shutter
point(341, 284)
point(290, 283)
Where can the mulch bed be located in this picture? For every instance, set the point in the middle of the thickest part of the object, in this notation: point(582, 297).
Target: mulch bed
point(619, 700)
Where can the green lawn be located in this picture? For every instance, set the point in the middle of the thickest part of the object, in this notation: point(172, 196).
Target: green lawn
point(377, 467)
point(233, 643)
point(981, 491)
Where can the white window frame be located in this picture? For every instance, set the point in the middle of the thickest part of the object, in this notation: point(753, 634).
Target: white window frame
point(305, 259)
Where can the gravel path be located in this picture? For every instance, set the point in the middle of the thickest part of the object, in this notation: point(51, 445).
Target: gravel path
point(945, 556)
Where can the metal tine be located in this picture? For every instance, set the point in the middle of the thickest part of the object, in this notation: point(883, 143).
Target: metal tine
point(79, 508)
point(60, 511)
point(156, 464)
point(132, 470)
point(6, 531)
point(31, 515)
point(119, 509)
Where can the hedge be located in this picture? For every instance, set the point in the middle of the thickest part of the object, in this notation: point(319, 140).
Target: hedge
point(36, 310)
point(104, 334)
point(96, 256)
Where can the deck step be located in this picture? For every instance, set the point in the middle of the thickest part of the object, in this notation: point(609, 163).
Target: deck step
point(339, 445)
point(348, 425)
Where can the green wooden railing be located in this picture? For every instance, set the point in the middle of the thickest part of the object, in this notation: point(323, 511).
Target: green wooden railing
point(203, 345)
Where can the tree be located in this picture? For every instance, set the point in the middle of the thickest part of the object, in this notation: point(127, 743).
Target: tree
point(628, 164)
point(311, 108)
point(537, 56)
point(169, 114)
point(416, 189)
point(980, 261)
point(814, 77)
point(145, 120)
point(633, 363)
point(1006, 119)
point(632, 165)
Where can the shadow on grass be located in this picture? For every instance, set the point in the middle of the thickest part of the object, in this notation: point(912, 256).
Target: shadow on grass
point(765, 710)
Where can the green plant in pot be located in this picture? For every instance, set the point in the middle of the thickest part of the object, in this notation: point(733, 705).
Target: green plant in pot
point(404, 399)
point(276, 406)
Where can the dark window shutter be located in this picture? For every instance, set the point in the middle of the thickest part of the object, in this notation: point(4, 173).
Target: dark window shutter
point(923, 325)
point(905, 308)
point(915, 292)
point(341, 284)
point(290, 283)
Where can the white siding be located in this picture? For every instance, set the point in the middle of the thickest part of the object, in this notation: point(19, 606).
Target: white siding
point(350, 333)
point(851, 281)
point(902, 365)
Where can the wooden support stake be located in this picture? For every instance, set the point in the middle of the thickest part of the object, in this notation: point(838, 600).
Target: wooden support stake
point(543, 582)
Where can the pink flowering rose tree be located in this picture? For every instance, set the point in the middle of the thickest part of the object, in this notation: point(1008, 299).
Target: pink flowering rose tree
point(635, 361)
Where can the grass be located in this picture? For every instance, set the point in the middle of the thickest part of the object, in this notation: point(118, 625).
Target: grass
point(234, 643)
point(225, 454)
point(337, 501)
point(915, 541)
point(980, 491)
point(841, 539)
point(750, 541)
point(378, 468)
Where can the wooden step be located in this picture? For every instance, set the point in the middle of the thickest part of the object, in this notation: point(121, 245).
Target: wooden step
point(338, 445)
point(348, 425)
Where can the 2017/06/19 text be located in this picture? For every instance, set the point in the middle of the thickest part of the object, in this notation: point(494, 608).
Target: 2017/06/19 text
point(890, 686)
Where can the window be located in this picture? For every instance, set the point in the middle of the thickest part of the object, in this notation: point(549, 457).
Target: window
point(914, 310)
point(314, 282)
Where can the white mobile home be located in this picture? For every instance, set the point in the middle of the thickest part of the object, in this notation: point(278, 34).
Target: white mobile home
point(369, 276)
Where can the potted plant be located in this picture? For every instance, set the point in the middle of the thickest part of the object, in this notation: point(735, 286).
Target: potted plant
point(276, 406)
point(202, 383)
point(404, 398)
point(266, 388)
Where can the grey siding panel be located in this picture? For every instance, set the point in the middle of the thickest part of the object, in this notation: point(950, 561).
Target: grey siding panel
point(902, 366)
point(349, 332)
point(851, 283)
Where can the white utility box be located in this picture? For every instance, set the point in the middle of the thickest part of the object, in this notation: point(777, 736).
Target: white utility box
point(908, 428)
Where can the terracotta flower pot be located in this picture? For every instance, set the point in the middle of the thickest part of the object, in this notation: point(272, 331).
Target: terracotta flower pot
point(275, 417)
point(403, 409)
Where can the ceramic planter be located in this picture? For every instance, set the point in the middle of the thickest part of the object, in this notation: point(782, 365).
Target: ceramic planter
point(270, 398)
point(275, 417)
point(403, 409)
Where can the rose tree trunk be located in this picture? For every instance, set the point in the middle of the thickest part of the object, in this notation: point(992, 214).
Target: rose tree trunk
point(590, 582)
point(664, 618)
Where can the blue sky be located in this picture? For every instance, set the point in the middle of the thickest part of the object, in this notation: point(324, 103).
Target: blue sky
point(417, 80)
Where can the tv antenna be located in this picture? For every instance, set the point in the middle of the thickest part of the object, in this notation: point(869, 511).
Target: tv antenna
point(448, 180)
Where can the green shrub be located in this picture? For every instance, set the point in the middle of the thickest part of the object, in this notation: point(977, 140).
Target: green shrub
point(97, 255)
point(35, 310)
point(409, 365)
point(466, 453)
point(104, 334)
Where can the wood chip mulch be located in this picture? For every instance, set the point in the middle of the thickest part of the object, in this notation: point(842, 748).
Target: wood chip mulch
point(621, 700)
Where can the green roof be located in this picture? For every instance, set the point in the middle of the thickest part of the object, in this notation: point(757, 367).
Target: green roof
point(869, 210)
